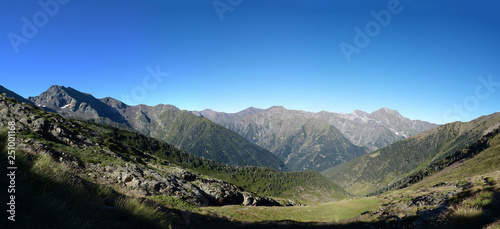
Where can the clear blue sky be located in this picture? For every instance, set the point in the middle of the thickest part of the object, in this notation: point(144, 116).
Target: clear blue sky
point(424, 62)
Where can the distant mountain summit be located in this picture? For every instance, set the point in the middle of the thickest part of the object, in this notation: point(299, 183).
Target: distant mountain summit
point(377, 129)
point(317, 141)
point(74, 104)
point(249, 111)
point(196, 135)
point(301, 141)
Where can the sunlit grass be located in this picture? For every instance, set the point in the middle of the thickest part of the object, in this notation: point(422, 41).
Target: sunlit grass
point(135, 207)
point(328, 212)
point(495, 225)
point(467, 212)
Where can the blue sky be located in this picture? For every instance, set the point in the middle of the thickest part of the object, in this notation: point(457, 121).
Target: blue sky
point(432, 60)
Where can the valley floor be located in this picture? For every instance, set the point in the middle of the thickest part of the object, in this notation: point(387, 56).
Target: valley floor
point(328, 212)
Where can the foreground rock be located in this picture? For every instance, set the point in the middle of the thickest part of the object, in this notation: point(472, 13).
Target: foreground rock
point(179, 183)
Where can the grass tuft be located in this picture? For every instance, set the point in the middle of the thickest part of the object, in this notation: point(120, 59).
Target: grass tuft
point(467, 213)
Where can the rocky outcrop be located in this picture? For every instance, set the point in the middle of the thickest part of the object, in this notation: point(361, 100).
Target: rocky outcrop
point(176, 182)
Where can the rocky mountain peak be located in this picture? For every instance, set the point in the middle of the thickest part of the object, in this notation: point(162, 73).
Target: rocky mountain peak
point(207, 111)
point(55, 88)
point(359, 113)
point(359, 116)
point(277, 109)
point(386, 111)
point(114, 103)
point(73, 103)
point(249, 111)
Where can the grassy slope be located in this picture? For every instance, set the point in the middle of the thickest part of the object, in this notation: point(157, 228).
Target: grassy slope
point(486, 162)
point(478, 182)
point(390, 165)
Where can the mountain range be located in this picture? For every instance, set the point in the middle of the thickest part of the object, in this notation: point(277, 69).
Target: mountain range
point(317, 141)
point(275, 137)
point(196, 135)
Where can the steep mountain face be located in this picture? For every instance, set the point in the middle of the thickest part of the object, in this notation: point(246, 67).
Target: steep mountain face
point(377, 129)
point(317, 146)
point(74, 104)
point(390, 165)
point(196, 135)
point(333, 139)
point(301, 141)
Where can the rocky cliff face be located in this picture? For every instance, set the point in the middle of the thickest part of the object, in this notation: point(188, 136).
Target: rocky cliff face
point(176, 182)
point(377, 129)
point(74, 104)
